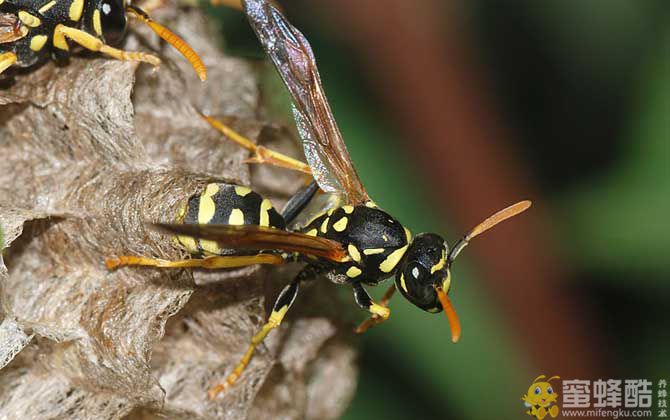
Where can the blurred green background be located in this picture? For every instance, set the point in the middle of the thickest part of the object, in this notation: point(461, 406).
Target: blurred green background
point(581, 90)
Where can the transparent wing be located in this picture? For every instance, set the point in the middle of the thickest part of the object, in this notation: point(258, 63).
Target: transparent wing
point(294, 60)
point(260, 238)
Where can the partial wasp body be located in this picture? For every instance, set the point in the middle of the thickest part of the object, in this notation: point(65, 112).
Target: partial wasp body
point(351, 240)
point(11, 28)
point(34, 30)
point(371, 242)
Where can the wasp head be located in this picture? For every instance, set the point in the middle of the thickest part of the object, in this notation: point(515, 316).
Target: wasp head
point(107, 20)
point(424, 278)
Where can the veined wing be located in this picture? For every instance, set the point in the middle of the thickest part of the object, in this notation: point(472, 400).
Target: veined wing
point(292, 55)
point(260, 238)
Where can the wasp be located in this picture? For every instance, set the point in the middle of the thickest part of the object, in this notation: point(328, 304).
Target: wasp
point(341, 234)
point(34, 30)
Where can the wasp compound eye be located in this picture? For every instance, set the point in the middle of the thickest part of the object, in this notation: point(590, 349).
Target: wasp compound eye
point(112, 20)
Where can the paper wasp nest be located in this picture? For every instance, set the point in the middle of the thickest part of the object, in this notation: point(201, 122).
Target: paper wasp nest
point(87, 154)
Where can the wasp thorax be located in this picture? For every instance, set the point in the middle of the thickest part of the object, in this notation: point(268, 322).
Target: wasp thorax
point(423, 268)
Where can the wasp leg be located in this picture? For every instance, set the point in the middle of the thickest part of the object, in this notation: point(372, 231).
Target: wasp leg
point(211, 263)
point(376, 319)
point(7, 60)
point(298, 202)
point(281, 306)
point(260, 153)
point(94, 44)
point(364, 300)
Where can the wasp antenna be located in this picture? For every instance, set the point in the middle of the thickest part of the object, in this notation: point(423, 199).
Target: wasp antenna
point(487, 224)
point(172, 39)
point(450, 312)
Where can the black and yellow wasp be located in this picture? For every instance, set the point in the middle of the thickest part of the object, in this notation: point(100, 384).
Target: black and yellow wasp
point(348, 238)
point(35, 30)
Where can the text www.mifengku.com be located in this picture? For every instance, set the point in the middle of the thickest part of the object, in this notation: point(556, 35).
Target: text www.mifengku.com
point(615, 414)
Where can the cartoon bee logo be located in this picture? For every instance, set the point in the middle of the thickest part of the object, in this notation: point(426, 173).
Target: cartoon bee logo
point(540, 398)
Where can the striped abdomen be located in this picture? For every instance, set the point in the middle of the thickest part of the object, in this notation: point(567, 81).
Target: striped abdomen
point(229, 205)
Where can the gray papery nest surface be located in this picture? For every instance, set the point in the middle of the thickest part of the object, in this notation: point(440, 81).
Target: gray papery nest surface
point(90, 151)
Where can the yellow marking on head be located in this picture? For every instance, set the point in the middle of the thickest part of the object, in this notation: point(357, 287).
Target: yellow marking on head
point(76, 9)
point(353, 251)
point(373, 251)
point(371, 204)
point(312, 232)
point(408, 235)
point(236, 217)
point(348, 209)
point(434, 310)
point(393, 259)
point(353, 272)
point(402, 283)
point(386, 238)
point(29, 20)
point(242, 191)
point(266, 205)
point(47, 6)
point(97, 23)
point(438, 266)
point(324, 225)
point(341, 224)
point(37, 43)
point(207, 206)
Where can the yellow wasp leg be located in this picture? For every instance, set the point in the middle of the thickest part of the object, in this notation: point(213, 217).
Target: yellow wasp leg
point(211, 263)
point(377, 318)
point(7, 60)
point(261, 154)
point(94, 44)
point(364, 300)
point(281, 306)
